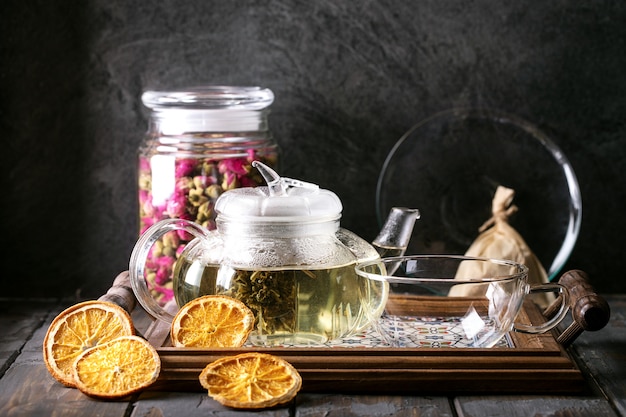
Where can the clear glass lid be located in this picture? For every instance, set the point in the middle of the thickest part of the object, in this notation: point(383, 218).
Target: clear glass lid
point(210, 109)
point(449, 166)
point(210, 97)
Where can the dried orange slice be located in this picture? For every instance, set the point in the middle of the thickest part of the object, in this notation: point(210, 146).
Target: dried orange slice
point(117, 368)
point(251, 380)
point(212, 321)
point(78, 328)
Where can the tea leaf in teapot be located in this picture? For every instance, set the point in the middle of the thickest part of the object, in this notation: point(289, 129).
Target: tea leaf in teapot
point(271, 295)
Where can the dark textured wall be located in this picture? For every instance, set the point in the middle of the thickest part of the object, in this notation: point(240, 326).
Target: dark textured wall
point(350, 77)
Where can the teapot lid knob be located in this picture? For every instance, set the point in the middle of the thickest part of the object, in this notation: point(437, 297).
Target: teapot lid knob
point(278, 185)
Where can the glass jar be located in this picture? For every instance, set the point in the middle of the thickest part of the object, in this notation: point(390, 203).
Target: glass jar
point(200, 143)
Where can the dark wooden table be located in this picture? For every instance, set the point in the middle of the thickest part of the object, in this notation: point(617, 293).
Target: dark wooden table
point(26, 388)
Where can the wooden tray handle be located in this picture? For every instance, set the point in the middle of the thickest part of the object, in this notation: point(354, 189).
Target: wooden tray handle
point(589, 310)
point(121, 293)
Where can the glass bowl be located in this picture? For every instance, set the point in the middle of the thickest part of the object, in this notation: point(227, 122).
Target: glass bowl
point(452, 301)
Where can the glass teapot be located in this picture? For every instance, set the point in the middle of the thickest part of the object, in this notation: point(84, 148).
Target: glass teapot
point(281, 251)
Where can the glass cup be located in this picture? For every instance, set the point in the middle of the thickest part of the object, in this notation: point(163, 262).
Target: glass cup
point(452, 301)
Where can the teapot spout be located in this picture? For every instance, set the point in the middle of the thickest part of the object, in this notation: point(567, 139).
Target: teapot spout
point(395, 235)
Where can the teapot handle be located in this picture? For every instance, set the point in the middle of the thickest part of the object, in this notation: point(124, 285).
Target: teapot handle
point(139, 256)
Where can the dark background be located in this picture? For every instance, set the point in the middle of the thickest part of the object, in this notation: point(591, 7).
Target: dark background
point(350, 77)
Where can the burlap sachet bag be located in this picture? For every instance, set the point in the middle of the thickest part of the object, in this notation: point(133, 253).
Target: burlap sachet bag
point(497, 239)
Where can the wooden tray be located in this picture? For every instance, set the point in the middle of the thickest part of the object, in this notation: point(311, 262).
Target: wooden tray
point(535, 364)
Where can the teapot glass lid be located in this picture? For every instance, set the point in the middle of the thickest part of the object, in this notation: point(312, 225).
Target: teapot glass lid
point(450, 165)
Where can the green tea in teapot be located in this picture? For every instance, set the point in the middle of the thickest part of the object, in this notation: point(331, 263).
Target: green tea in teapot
point(291, 306)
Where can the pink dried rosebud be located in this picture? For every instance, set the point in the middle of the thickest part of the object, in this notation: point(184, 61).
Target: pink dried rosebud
point(166, 261)
point(151, 262)
point(144, 164)
point(167, 294)
point(147, 208)
point(161, 276)
point(209, 224)
point(230, 181)
point(184, 167)
point(164, 270)
point(246, 181)
point(184, 236)
point(186, 216)
point(234, 165)
point(159, 211)
point(146, 223)
point(183, 184)
point(176, 206)
point(144, 196)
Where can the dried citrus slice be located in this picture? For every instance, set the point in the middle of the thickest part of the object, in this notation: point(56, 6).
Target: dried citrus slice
point(212, 321)
point(78, 328)
point(117, 368)
point(251, 380)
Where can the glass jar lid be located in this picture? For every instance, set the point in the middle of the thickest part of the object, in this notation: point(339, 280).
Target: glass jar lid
point(210, 97)
point(210, 109)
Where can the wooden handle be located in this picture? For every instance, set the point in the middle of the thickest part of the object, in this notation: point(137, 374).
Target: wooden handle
point(121, 293)
point(589, 310)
